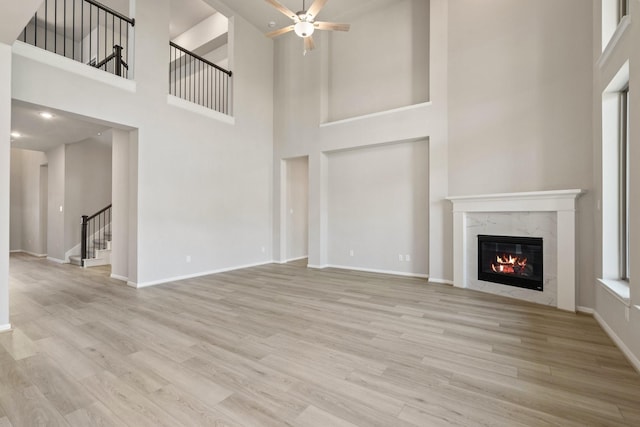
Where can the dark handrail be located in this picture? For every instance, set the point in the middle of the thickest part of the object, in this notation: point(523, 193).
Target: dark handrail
point(131, 21)
point(117, 55)
point(99, 212)
point(198, 57)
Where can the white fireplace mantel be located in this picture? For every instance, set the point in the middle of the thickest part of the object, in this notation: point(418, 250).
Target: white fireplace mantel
point(560, 202)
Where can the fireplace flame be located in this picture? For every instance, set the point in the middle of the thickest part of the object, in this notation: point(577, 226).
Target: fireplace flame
point(509, 264)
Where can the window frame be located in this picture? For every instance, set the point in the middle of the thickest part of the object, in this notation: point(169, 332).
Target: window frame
point(623, 9)
point(623, 184)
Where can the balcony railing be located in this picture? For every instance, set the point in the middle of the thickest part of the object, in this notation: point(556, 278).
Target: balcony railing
point(195, 79)
point(82, 30)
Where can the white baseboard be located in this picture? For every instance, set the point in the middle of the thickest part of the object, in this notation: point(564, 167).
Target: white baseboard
point(317, 267)
point(628, 353)
point(59, 261)
point(20, 251)
point(117, 277)
point(372, 270)
point(585, 310)
point(295, 259)
point(441, 281)
point(192, 276)
point(5, 328)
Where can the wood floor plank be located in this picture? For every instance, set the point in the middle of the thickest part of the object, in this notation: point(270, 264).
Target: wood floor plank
point(132, 407)
point(285, 345)
point(95, 415)
point(314, 417)
point(28, 407)
point(17, 344)
point(60, 390)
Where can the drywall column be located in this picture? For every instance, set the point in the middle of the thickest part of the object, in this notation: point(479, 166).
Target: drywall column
point(132, 212)
point(440, 216)
point(5, 163)
point(318, 174)
point(120, 202)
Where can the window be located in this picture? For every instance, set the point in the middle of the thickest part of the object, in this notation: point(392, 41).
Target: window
point(623, 186)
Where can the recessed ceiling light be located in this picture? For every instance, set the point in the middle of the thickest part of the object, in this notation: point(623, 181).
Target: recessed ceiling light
point(16, 134)
point(99, 133)
point(46, 115)
point(272, 24)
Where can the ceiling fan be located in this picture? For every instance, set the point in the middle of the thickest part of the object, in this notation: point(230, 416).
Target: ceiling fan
point(305, 22)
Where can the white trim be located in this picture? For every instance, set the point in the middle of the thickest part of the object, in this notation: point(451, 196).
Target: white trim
point(20, 251)
point(373, 270)
point(536, 201)
point(56, 260)
point(378, 114)
point(192, 276)
point(585, 310)
point(6, 328)
point(199, 109)
point(440, 281)
point(295, 259)
point(621, 29)
point(122, 278)
point(618, 289)
point(317, 267)
point(616, 339)
point(67, 64)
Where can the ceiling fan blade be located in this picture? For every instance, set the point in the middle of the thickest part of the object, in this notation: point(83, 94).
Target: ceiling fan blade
point(309, 44)
point(283, 9)
point(315, 8)
point(279, 32)
point(331, 26)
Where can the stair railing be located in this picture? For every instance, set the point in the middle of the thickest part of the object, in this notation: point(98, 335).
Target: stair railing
point(95, 230)
point(195, 79)
point(83, 30)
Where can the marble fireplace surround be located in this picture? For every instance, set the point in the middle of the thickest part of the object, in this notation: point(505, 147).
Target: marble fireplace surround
point(550, 214)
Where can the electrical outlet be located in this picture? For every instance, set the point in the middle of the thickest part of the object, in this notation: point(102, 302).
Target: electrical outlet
point(400, 257)
point(264, 249)
point(351, 252)
point(407, 258)
point(188, 258)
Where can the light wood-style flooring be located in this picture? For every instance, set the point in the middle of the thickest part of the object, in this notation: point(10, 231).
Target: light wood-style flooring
point(283, 345)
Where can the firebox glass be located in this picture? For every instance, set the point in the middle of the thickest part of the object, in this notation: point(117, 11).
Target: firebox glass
point(510, 260)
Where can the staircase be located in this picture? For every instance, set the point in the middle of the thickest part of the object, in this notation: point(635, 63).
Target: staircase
point(95, 246)
point(99, 254)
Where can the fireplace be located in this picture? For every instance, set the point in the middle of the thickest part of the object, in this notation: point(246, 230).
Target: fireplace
point(510, 260)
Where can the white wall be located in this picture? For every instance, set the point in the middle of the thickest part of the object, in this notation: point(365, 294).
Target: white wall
point(302, 98)
point(297, 207)
point(15, 213)
point(26, 201)
point(5, 158)
point(619, 316)
point(378, 208)
point(120, 184)
point(87, 184)
point(204, 186)
point(520, 96)
point(56, 202)
point(381, 63)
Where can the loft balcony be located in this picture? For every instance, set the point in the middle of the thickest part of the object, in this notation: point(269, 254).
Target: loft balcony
point(85, 31)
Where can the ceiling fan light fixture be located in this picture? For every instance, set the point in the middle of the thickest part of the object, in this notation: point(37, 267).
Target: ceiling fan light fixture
point(304, 28)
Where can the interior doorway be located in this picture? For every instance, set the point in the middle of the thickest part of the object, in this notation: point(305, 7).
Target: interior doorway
point(296, 213)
